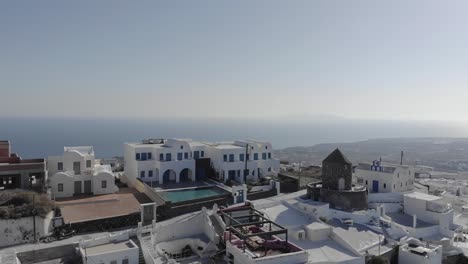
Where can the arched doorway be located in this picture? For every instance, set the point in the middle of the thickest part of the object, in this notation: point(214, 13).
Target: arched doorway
point(261, 173)
point(169, 176)
point(186, 175)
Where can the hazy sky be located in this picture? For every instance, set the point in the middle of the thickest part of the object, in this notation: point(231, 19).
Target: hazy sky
point(371, 59)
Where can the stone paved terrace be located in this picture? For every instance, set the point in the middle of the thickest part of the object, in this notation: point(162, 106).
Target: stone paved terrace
point(86, 208)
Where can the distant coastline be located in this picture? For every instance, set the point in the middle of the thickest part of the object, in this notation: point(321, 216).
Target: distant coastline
point(41, 137)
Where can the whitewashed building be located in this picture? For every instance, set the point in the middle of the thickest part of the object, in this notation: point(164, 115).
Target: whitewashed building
point(112, 249)
point(415, 251)
point(77, 172)
point(178, 160)
point(431, 209)
point(384, 178)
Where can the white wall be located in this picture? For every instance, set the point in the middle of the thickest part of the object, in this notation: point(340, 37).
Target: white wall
point(106, 257)
point(405, 257)
point(68, 180)
point(401, 180)
point(96, 173)
point(131, 254)
point(243, 258)
point(216, 154)
point(186, 228)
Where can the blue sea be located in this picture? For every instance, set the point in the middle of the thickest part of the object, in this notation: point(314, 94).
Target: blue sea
point(41, 137)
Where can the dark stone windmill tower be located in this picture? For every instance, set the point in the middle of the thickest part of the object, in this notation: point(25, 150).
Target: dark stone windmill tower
point(337, 172)
point(337, 188)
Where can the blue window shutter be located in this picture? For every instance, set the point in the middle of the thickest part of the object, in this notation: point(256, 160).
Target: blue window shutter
point(137, 156)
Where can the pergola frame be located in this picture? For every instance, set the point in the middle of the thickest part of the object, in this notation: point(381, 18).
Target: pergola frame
point(236, 227)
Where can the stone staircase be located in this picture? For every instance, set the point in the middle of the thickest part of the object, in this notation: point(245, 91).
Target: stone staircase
point(141, 259)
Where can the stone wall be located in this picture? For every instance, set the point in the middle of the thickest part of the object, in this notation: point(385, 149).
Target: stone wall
point(346, 200)
point(21, 230)
point(261, 195)
point(107, 224)
point(332, 173)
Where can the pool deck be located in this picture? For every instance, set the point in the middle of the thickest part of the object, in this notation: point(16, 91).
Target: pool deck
point(191, 194)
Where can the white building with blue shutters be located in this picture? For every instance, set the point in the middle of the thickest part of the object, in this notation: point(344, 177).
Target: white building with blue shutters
point(178, 160)
point(384, 178)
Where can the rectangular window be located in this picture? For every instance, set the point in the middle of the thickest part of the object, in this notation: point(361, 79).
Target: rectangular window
point(161, 157)
point(255, 156)
point(264, 155)
point(180, 156)
point(77, 167)
point(202, 153)
point(125, 261)
point(88, 164)
point(137, 156)
point(60, 166)
point(269, 155)
point(150, 173)
point(143, 156)
point(60, 187)
point(225, 158)
point(168, 157)
point(241, 157)
point(231, 157)
point(196, 154)
point(248, 156)
point(103, 184)
point(142, 174)
point(186, 155)
point(149, 155)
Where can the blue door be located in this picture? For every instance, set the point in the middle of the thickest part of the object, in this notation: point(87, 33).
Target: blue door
point(240, 196)
point(375, 186)
point(232, 175)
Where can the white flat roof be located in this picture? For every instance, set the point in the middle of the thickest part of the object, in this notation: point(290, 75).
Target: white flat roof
point(422, 196)
point(109, 247)
point(84, 150)
point(197, 144)
point(323, 251)
point(228, 146)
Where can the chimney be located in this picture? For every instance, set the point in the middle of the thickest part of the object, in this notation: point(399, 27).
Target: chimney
point(401, 158)
point(5, 149)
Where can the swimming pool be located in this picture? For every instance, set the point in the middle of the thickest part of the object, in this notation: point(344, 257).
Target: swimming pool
point(191, 194)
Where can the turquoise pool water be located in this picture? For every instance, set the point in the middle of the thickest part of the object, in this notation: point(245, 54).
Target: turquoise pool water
point(191, 194)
